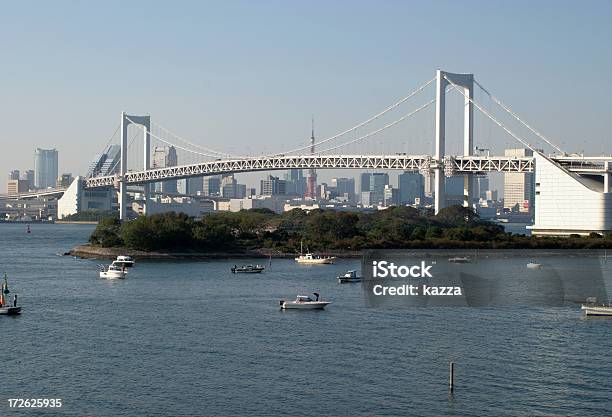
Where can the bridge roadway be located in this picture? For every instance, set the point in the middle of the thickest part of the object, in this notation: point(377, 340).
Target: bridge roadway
point(422, 163)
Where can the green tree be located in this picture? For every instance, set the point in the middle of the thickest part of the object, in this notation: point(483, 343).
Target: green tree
point(106, 233)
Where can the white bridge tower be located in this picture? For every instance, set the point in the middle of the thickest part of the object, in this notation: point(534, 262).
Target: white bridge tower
point(466, 81)
point(144, 121)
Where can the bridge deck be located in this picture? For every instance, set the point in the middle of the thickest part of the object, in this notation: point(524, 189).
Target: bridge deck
point(451, 165)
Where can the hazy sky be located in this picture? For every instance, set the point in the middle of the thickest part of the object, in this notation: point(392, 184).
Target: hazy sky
point(245, 77)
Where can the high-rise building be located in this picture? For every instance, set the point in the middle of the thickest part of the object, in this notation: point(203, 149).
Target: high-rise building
point(411, 186)
point(241, 190)
point(345, 187)
point(16, 186)
point(212, 186)
point(364, 182)
point(190, 186)
point(28, 176)
point(164, 157)
point(519, 187)
point(107, 163)
point(13, 175)
point(229, 186)
point(428, 181)
point(296, 183)
point(64, 180)
point(482, 185)
point(391, 196)
point(365, 198)
point(377, 182)
point(454, 190)
point(45, 168)
point(273, 186)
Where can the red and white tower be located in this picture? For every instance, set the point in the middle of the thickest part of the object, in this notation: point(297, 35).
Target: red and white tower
point(311, 181)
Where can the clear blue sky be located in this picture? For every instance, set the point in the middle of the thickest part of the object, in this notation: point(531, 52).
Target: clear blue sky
point(247, 75)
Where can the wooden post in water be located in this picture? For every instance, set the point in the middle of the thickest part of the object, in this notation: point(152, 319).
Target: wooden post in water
point(451, 377)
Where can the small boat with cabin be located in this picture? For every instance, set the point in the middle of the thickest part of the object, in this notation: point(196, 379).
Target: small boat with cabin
point(113, 271)
point(304, 302)
point(5, 306)
point(534, 265)
point(247, 269)
point(311, 259)
point(591, 308)
point(350, 276)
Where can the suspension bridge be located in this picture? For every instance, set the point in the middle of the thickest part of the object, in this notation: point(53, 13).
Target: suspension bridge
point(331, 152)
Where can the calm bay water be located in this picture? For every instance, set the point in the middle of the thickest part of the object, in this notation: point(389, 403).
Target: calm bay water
point(190, 338)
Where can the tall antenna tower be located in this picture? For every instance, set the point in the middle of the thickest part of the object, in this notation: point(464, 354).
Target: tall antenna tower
point(311, 184)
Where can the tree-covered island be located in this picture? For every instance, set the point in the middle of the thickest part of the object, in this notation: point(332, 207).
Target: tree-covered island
point(321, 230)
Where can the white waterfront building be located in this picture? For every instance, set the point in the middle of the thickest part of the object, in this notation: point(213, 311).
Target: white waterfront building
point(77, 199)
point(568, 203)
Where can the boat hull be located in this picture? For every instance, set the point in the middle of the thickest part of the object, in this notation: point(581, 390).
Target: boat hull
point(113, 275)
point(305, 305)
point(247, 271)
point(597, 311)
point(10, 311)
point(343, 280)
point(319, 261)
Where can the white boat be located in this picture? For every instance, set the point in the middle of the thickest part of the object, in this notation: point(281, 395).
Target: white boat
point(310, 258)
point(5, 307)
point(304, 302)
point(350, 276)
point(533, 265)
point(123, 260)
point(592, 309)
point(113, 271)
point(460, 260)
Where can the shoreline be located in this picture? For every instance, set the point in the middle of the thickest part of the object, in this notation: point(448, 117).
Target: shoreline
point(87, 251)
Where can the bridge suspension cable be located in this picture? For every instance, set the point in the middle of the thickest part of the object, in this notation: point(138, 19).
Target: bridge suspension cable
point(170, 143)
point(516, 116)
point(368, 121)
point(119, 160)
point(429, 103)
point(486, 113)
point(200, 147)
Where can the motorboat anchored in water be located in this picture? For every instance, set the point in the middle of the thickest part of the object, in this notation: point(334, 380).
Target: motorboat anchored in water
point(113, 271)
point(460, 260)
point(533, 265)
point(591, 308)
point(5, 307)
point(309, 258)
point(247, 269)
point(123, 260)
point(350, 276)
point(304, 302)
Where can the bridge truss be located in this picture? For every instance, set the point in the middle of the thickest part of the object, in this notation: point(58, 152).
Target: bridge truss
point(421, 163)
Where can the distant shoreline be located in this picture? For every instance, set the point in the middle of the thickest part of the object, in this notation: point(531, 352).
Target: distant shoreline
point(76, 222)
point(94, 252)
point(87, 251)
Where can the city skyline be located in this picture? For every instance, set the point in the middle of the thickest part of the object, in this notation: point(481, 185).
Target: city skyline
point(208, 81)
